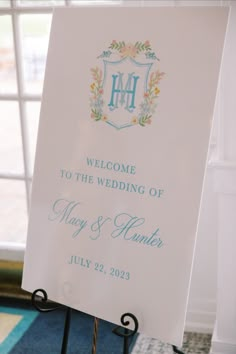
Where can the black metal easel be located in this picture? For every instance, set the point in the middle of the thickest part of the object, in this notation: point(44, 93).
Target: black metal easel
point(121, 331)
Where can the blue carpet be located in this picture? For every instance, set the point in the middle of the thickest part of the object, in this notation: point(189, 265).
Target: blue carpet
point(26, 318)
point(41, 333)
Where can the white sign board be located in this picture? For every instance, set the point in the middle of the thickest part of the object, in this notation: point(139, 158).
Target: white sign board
point(123, 138)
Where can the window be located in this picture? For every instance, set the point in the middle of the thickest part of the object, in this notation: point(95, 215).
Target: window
point(24, 35)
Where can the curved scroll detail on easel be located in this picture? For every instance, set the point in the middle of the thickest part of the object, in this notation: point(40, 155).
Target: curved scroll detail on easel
point(126, 333)
point(37, 304)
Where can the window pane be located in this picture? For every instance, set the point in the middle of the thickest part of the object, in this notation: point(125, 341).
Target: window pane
point(13, 212)
point(4, 3)
point(35, 35)
point(7, 57)
point(11, 157)
point(40, 2)
point(32, 116)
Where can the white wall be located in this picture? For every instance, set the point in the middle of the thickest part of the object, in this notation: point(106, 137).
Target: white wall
point(224, 338)
point(213, 289)
point(202, 301)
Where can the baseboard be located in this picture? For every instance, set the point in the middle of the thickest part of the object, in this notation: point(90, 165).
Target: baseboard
point(220, 347)
point(201, 318)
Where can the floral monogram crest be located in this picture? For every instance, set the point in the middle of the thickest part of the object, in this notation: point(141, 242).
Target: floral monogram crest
point(127, 85)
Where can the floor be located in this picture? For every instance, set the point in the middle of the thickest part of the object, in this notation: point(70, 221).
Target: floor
point(194, 343)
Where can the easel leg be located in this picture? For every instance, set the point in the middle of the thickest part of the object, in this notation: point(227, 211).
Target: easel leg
point(126, 342)
point(176, 350)
point(66, 330)
point(95, 334)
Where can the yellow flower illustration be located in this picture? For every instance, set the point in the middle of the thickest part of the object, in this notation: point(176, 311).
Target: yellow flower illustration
point(92, 86)
point(134, 120)
point(156, 91)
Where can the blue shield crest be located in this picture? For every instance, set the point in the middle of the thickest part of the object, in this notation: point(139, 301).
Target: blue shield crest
point(124, 85)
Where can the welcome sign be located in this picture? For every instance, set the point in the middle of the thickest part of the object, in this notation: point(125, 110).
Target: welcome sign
point(123, 138)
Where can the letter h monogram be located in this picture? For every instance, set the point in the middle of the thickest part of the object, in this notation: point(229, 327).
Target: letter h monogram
point(123, 95)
